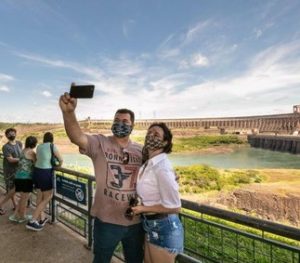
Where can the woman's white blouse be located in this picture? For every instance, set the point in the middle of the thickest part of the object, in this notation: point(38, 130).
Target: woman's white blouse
point(156, 183)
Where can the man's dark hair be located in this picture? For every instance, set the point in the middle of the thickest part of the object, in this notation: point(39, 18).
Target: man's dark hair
point(48, 137)
point(30, 142)
point(168, 136)
point(7, 131)
point(131, 113)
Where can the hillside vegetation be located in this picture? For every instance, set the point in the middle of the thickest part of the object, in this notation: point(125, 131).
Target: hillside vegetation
point(202, 178)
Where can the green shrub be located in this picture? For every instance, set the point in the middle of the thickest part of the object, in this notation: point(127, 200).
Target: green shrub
point(199, 142)
point(198, 178)
point(245, 177)
point(201, 178)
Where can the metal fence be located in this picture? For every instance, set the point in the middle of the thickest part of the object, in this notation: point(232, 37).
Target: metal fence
point(210, 234)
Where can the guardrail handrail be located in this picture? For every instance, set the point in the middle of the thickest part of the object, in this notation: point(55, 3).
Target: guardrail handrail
point(261, 224)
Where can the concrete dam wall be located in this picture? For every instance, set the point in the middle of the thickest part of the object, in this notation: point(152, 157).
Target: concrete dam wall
point(289, 144)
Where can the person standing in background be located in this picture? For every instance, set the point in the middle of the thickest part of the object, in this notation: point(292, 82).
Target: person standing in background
point(23, 179)
point(43, 180)
point(11, 153)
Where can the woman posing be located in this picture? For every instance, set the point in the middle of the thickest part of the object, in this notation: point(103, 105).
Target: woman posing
point(23, 179)
point(158, 189)
point(43, 180)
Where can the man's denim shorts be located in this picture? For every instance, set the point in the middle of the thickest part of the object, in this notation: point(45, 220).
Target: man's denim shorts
point(166, 233)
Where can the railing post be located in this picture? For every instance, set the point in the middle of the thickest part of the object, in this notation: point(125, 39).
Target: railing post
point(53, 202)
point(90, 218)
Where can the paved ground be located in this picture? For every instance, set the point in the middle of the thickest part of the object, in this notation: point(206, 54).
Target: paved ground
point(54, 243)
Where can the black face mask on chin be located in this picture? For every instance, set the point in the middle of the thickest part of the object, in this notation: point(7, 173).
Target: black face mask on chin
point(11, 137)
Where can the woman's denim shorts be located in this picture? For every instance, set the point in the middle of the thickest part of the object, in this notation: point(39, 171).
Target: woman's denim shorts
point(166, 233)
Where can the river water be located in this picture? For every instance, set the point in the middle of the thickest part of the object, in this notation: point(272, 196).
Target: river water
point(240, 158)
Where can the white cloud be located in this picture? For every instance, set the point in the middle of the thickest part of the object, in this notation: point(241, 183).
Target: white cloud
point(128, 82)
point(271, 70)
point(5, 77)
point(92, 72)
point(196, 60)
point(274, 69)
point(194, 32)
point(174, 43)
point(123, 66)
point(200, 61)
point(4, 88)
point(47, 93)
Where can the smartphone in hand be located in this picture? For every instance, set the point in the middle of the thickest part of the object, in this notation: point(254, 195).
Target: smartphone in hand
point(82, 91)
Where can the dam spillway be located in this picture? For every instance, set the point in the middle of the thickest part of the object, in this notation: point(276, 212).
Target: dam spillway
point(287, 143)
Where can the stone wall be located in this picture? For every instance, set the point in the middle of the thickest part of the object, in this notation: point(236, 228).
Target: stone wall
point(271, 206)
point(289, 144)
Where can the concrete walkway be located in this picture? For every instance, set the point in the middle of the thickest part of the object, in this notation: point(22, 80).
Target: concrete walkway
point(55, 243)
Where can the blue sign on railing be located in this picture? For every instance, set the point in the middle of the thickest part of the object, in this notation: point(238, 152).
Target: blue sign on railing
point(71, 189)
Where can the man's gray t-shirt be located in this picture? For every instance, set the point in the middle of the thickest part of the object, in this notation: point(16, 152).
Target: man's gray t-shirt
point(11, 150)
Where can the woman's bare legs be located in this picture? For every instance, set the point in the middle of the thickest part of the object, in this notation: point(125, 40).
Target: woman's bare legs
point(147, 258)
point(44, 199)
point(39, 197)
point(22, 205)
point(157, 254)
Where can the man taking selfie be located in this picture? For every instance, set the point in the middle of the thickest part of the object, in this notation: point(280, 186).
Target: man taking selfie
point(116, 160)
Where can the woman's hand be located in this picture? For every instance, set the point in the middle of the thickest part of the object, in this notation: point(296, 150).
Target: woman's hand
point(139, 209)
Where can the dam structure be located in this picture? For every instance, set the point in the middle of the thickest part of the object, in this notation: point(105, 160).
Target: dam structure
point(287, 123)
point(278, 132)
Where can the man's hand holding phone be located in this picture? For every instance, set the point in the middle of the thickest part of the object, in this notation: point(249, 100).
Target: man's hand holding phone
point(82, 91)
point(68, 101)
point(67, 104)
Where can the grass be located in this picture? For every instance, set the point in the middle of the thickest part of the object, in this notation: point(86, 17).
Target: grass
point(196, 143)
point(202, 178)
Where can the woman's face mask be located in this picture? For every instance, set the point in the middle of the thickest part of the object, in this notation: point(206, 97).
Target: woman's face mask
point(153, 142)
point(121, 129)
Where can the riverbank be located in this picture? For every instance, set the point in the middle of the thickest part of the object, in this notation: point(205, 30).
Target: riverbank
point(276, 197)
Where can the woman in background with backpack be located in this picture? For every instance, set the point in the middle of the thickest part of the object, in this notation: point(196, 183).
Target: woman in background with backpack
point(43, 180)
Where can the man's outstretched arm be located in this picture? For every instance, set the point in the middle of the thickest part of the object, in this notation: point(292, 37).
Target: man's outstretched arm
point(73, 130)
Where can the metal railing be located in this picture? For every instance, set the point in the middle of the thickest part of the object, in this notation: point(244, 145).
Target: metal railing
point(210, 234)
point(217, 235)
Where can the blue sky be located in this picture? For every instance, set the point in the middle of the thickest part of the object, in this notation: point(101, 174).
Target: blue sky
point(160, 58)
